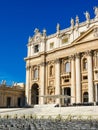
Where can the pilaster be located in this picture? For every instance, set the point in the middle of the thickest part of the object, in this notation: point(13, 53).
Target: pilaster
point(57, 79)
point(42, 82)
point(90, 76)
point(78, 79)
point(73, 83)
point(27, 85)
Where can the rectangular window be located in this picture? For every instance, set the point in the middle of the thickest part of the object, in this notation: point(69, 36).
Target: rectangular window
point(51, 45)
point(85, 77)
point(66, 80)
point(64, 41)
point(36, 48)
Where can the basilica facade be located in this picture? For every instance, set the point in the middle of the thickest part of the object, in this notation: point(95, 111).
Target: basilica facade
point(64, 63)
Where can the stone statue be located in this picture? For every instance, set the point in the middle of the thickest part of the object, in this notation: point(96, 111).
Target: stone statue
point(44, 32)
point(58, 27)
point(3, 82)
point(36, 30)
point(29, 39)
point(96, 12)
point(87, 15)
point(72, 22)
point(77, 20)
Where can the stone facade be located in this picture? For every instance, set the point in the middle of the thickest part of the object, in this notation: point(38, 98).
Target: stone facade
point(64, 63)
point(12, 96)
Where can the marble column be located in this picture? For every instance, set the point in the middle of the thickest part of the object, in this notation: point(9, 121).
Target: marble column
point(72, 58)
point(90, 76)
point(57, 79)
point(42, 82)
point(27, 85)
point(78, 79)
point(96, 92)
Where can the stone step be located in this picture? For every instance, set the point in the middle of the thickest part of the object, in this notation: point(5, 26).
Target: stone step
point(45, 106)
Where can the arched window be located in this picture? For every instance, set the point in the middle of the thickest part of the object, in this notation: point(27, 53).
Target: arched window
point(67, 67)
point(51, 70)
point(85, 64)
point(36, 73)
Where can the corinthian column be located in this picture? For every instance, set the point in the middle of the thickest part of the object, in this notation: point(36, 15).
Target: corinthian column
point(57, 79)
point(90, 76)
point(42, 82)
point(72, 58)
point(27, 100)
point(78, 79)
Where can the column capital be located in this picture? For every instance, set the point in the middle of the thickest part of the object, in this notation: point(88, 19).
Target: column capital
point(77, 55)
point(95, 53)
point(57, 60)
point(72, 57)
point(42, 63)
point(88, 53)
point(28, 67)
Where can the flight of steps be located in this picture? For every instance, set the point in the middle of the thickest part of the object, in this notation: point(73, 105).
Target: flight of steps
point(50, 110)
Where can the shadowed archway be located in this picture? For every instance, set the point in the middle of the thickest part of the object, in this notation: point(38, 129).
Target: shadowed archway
point(67, 91)
point(34, 94)
point(85, 97)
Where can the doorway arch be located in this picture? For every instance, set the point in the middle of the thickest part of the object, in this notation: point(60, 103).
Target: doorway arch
point(67, 92)
point(34, 94)
point(85, 97)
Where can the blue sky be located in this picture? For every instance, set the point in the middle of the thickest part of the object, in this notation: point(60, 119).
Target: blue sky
point(19, 18)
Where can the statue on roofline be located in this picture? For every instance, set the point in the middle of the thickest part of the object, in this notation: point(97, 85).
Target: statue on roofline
point(87, 15)
point(77, 20)
point(72, 22)
point(96, 12)
point(58, 27)
point(3, 82)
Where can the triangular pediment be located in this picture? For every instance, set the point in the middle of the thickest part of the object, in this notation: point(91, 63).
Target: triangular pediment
point(89, 35)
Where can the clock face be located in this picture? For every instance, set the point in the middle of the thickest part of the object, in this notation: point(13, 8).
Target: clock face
point(37, 38)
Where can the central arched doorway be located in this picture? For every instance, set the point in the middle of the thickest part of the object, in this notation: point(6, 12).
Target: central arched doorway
point(34, 94)
point(67, 92)
point(85, 97)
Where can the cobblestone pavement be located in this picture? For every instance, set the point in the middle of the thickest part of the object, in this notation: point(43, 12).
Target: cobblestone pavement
point(47, 124)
